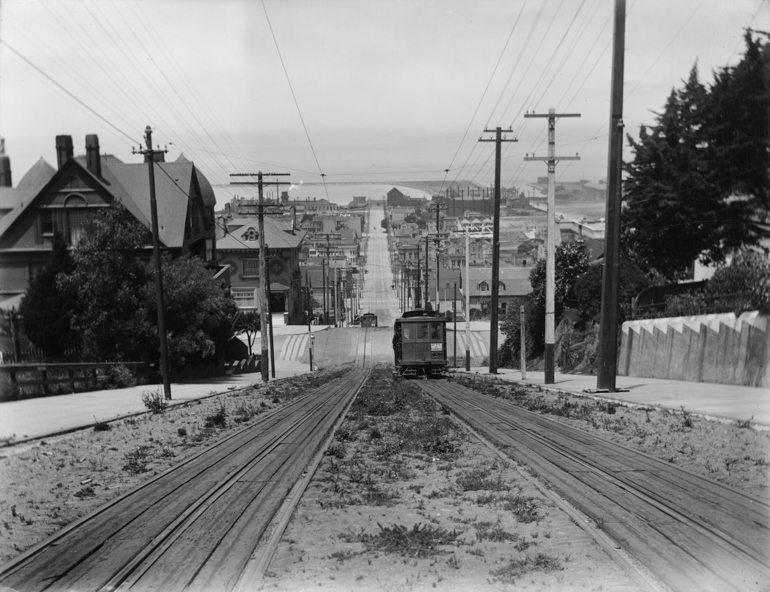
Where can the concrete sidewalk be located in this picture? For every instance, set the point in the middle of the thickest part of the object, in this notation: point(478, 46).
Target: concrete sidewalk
point(722, 401)
point(46, 416)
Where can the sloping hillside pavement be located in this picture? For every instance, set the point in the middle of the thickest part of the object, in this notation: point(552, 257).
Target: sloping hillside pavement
point(405, 499)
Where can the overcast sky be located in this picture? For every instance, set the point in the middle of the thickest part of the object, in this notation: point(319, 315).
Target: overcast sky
point(387, 89)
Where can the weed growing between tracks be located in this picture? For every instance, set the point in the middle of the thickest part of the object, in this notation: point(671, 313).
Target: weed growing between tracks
point(47, 484)
point(731, 453)
point(405, 498)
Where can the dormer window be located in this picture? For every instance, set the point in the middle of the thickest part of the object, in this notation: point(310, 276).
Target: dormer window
point(483, 287)
point(251, 235)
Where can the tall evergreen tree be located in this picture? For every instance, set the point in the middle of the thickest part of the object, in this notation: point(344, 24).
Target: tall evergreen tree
point(697, 187)
point(46, 308)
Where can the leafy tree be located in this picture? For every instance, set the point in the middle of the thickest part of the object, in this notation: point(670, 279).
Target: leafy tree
point(247, 322)
point(109, 282)
point(570, 262)
point(199, 314)
point(46, 308)
point(698, 185)
point(743, 285)
point(588, 289)
point(385, 223)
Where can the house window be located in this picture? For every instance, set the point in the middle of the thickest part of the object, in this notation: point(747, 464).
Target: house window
point(244, 297)
point(483, 287)
point(47, 223)
point(250, 267)
point(251, 235)
point(76, 222)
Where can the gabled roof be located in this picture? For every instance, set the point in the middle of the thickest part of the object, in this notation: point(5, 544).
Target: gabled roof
point(37, 176)
point(130, 184)
point(11, 197)
point(173, 184)
point(516, 280)
point(278, 234)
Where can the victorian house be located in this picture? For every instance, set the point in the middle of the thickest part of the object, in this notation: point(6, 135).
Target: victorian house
point(49, 200)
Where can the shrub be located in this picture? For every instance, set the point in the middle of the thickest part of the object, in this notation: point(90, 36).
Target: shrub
point(154, 401)
point(219, 419)
point(119, 376)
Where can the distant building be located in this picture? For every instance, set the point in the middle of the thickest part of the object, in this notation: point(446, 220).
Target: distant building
point(513, 283)
point(397, 198)
point(238, 246)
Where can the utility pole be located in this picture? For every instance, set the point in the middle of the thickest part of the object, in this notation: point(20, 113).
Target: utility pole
point(550, 263)
point(270, 314)
point(467, 301)
point(454, 320)
point(437, 207)
point(264, 297)
point(493, 325)
point(608, 331)
point(427, 274)
point(417, 294)
point(149, 158)
point(328, 236)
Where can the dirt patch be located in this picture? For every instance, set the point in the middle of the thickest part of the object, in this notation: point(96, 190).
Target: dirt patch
point(733, 453)
point(48, 484)
point(407, 500)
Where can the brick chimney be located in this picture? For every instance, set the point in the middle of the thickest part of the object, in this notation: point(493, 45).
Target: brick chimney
point(5, 166)
point(63, 150)
point(5, 171)
point(92, 155)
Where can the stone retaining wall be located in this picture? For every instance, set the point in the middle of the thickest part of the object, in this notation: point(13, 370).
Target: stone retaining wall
point(718, 348)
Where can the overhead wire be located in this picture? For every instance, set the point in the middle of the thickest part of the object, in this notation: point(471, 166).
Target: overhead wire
point(294, 96)
point(67, 92)
point(481, 100)
point(176, 68)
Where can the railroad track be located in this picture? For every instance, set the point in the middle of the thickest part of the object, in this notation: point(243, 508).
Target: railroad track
point(201, 524)
point(693, 534)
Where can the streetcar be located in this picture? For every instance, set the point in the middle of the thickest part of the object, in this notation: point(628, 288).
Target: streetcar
point(419, 344)
point(368, 319)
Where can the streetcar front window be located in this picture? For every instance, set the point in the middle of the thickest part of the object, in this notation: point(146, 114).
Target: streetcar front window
point(435, 331)
point(408, 332)
point(422, 332)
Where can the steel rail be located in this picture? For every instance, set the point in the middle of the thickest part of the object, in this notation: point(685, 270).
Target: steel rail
point(228, 448)
point(536, 427)
point(141, 563)
point(631, 566)
point(252, 575)
point(8, 568)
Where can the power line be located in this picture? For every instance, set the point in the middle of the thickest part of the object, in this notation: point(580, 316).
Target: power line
point(291, 88)
point(481, 100)
point(67, 92)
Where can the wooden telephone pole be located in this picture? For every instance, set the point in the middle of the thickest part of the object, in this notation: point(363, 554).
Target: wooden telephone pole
point(149, 158)
point(550, 263)
point(493, 325)
point(608, 325)
point(437, 241)
point(328, 235)
point(264, 293)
